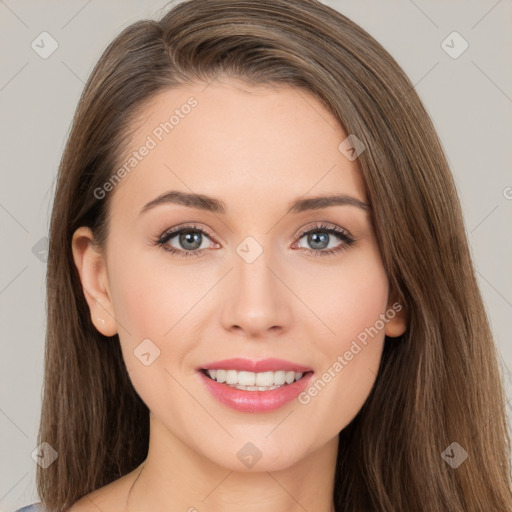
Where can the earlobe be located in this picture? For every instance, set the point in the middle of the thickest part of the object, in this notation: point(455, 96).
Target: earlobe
point(396, 327)
point(91, 266)
point(397, 318)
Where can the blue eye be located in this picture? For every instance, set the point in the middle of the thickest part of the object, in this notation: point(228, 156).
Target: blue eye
point(326, 233)
point(191, 238)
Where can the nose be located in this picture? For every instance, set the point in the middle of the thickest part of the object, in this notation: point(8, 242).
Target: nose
point(257, 302)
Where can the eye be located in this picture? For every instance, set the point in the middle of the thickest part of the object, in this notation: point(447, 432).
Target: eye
point(320, 236)
point(190, 238)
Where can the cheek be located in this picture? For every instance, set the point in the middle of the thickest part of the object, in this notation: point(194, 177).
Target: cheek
point(353, 300)
point(149, 302)
point(150, 295)
point(153, 299)
point(348, 299)
point(360, 303)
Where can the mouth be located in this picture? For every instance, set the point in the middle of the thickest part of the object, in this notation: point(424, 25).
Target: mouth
point(248, 385)
point(254, 381)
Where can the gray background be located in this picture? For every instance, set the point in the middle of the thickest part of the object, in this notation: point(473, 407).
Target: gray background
point(469, 99)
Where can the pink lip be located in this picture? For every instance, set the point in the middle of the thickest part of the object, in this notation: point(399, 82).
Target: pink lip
point(255, 401)
point(265, 365)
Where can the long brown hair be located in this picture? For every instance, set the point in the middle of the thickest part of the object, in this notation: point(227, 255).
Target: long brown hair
point(437, 384)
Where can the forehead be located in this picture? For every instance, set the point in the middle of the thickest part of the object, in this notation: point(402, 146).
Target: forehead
point(249, 145)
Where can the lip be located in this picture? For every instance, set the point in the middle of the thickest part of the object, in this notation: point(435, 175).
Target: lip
point(247, 365)
point(255, 401)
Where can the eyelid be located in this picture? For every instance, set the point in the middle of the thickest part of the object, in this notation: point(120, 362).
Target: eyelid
point(320, 225)
point(185, 226)
point(347, 238)
point(315, 225)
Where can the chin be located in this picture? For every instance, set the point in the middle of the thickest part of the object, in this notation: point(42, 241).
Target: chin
point(252, 456)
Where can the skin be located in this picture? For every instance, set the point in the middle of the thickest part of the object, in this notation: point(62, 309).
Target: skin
point(256, 149)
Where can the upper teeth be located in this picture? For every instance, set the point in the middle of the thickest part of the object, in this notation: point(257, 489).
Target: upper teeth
point(254, 379)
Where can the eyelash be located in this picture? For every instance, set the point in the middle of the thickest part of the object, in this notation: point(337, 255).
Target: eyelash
point(346, 237)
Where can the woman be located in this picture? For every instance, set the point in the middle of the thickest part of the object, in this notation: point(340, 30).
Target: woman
point(259, 286)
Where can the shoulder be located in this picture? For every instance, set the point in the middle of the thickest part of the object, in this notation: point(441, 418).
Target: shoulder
point(107, 498)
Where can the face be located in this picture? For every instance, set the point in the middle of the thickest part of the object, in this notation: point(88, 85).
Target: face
point(249, 277)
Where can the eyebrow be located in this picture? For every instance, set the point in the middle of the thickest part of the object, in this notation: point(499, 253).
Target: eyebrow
point(211, 204)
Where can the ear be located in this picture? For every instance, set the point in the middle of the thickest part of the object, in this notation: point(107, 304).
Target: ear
point(396, 313)
point(91, 265)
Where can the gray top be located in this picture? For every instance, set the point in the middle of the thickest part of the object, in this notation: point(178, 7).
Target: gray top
point(35, 507)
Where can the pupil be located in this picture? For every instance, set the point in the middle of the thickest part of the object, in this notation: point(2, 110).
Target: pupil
point(315, 239)
point(185, 239)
